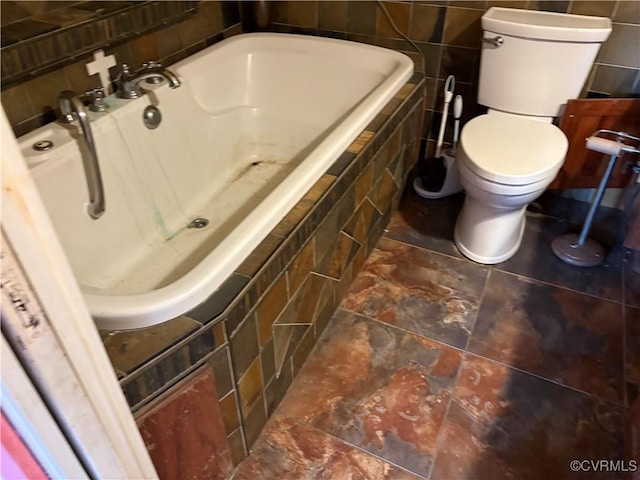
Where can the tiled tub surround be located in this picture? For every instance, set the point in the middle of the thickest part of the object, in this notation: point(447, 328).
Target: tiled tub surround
point(258, 328)
point(257, 121)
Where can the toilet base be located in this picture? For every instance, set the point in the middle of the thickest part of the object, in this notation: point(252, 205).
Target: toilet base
point(487, 234)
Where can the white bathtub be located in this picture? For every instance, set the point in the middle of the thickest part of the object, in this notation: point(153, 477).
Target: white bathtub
point(257, 121)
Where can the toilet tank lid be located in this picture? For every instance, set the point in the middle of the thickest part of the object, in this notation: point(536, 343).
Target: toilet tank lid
point(512, 150)
point(546, 25)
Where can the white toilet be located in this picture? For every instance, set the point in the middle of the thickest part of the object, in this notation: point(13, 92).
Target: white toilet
point(532, 63)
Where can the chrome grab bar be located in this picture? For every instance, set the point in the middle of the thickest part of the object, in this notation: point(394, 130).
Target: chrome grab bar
point(71, 108)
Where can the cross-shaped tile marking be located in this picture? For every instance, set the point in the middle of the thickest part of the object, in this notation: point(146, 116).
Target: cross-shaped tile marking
point(101, 66)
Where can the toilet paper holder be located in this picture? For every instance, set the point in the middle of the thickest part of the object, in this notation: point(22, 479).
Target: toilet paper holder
point(604, 145)
point(580, 250)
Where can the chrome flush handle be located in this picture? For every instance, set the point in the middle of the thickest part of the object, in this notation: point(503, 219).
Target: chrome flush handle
point(495, 41)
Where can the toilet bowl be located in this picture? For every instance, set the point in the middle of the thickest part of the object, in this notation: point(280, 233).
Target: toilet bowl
point(505, 162)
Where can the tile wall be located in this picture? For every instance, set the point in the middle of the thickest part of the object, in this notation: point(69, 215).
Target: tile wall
point(141, 32)
point(38, 37)
point(256, 330)
point(193, 446)
point(447, 32)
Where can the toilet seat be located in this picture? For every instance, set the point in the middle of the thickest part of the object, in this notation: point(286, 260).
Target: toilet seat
point(471, 179)
point(512, 150)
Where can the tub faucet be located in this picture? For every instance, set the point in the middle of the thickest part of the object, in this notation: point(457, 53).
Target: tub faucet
point(128, 83)
point(72, 108)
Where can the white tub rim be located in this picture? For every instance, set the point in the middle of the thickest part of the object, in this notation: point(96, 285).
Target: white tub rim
point(116, 312)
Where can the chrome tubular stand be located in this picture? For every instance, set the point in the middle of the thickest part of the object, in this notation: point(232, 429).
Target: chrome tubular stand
point(581, 250)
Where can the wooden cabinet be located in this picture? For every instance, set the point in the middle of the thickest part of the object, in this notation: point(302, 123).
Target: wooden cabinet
point(584, 168)
point(184, 431)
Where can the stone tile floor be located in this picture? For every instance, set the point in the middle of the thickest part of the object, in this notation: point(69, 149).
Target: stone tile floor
point(435, 367)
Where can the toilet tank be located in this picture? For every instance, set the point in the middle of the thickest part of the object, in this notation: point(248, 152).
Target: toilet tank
point(542, 60)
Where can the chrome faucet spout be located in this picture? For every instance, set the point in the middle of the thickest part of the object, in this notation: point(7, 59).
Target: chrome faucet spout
point(128, 83)
point(72, 108)
point(158, 71)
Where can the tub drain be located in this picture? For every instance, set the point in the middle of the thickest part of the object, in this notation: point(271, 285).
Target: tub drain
point(42, 145)
point(199, 222)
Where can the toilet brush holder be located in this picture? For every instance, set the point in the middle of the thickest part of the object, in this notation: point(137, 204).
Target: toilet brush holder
point(580, 250)
point(451, 184)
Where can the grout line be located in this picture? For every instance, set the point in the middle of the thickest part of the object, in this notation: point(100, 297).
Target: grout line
point(480, 300)
point(549, 380)
point(615, 10)
point(357, 447)
point(429, 249)
point(544, 282)
point(445, 418)
point(626, 67)
point(492, 267)
point(624, 23)
point(465, 352)
point(624, 360)
point(404, 330)
point(624, 336)
point(624, 267)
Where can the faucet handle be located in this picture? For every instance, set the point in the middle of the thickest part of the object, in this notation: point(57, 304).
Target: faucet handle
point(67, 115)
point(152, 65)
point(96, 96)
point(125, 86)
point(125, 73)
